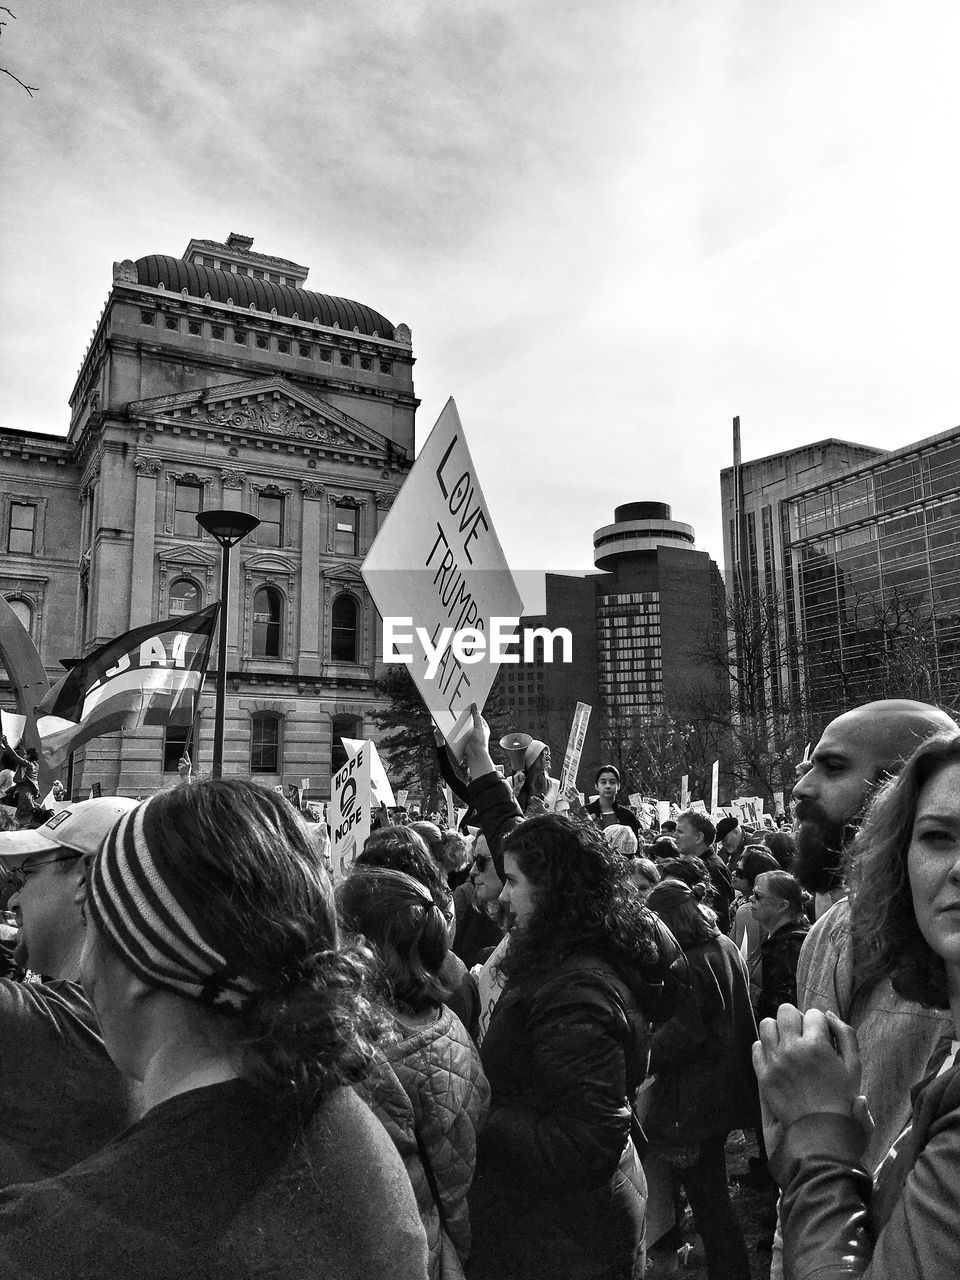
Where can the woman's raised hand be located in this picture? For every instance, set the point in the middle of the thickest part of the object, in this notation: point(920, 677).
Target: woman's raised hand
point(806, 1063)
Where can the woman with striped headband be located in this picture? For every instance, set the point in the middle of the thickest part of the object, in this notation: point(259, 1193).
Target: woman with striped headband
point(214, 963)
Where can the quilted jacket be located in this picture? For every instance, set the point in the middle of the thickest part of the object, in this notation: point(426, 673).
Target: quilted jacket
point(431, 1084)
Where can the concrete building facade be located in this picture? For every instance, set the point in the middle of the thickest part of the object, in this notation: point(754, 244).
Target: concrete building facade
point(218, 380)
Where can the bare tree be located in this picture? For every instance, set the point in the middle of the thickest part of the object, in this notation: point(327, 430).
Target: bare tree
point(31, 89)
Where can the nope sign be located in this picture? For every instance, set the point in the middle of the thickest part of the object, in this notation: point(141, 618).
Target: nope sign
point(349, 812)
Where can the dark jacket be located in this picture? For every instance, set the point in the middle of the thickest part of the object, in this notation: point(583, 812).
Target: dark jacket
point(563, 1055)
point(705, 1085)
point(626, 817)
point(779, 957)
point(837, 1221)
point(723, 893)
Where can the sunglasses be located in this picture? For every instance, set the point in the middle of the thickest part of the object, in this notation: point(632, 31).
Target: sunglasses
point(480, 862)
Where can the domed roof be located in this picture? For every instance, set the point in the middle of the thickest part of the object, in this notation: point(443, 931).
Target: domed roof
point(176, 275)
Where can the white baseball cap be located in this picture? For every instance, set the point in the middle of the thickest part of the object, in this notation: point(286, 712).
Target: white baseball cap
point(82, 828)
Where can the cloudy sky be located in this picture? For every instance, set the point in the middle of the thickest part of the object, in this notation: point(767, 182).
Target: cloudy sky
point(611, 225)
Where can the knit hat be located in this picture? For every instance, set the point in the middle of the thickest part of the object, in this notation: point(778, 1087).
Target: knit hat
point(137, 905)
point(535, 749)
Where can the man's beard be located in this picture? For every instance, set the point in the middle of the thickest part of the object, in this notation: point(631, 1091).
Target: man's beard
point(819, 842)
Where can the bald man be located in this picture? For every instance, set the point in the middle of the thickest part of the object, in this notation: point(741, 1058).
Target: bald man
point(856, 753)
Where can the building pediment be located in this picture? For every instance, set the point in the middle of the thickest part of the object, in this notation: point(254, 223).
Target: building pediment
point(265, 562)
point(348, 574)
point(186, 554)
point(269, 407)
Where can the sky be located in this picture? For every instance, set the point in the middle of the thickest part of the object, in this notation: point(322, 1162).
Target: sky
point(611, 226)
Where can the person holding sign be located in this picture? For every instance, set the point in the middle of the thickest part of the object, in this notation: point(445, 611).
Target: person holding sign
point(559, 1187)
point(227, 992)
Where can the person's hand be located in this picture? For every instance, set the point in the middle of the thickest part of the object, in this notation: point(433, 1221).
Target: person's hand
point(805, 1063)
point(476, 751)
point(184, 767)
point(572, 797)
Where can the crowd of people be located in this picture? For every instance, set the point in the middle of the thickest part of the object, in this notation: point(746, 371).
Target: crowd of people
point(510, 1052)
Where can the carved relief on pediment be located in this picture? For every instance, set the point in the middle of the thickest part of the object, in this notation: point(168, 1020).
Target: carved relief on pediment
point(271, 419)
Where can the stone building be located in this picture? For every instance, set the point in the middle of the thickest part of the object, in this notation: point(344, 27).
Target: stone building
point(218, 380)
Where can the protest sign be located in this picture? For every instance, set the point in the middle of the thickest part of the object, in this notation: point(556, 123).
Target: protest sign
point(635, 800)
point(778, 806)
point(379, 783)
point(715, 786)
point(349, 812)
point(697, 806)
point(571, 761)
point(12, 726)
point(402, 797)
point(437, 567)
point(451, 810)
point(685, 792)
point(663, 811)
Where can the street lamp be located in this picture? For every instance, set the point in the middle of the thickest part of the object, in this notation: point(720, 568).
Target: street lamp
point(228, 527)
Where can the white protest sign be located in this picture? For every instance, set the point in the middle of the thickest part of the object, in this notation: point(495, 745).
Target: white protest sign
point(349, 812)
point(436, 572)
point(663, 811)
point(715, 786)
point(571, 761)
point(402, 798)
point(379, 783)
point(685, 792)
point(13, 726)
point(697, 806)
point(778, 806)
point(635, 799)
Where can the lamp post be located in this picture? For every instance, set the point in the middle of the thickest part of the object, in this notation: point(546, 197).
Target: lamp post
point(228, 527)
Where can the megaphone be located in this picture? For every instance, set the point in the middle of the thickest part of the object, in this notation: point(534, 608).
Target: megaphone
point(515, 744)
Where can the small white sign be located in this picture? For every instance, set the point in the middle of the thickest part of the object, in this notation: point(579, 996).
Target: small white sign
point(349, 813)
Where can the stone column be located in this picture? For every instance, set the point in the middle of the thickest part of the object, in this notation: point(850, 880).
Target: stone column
point(309, 658)
point(144, 530)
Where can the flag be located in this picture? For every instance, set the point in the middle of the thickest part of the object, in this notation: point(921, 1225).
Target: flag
point(151, 675)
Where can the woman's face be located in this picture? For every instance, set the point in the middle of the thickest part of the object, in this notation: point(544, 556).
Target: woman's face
point(519, 893)
point(483, 873)
point(933, 864)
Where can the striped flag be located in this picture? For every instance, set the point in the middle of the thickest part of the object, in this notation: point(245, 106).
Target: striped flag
point(151, 675)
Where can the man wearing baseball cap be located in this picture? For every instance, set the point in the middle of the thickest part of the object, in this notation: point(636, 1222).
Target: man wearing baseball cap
point(61, 1098)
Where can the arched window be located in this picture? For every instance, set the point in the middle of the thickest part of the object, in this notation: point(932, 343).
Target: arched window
point(265, 743)
point(184, 598)
point(343, 638)
point(24, 613)
point(267, 608)
point(342, 727)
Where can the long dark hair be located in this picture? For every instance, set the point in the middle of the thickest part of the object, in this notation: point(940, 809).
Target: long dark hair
point(584, 901)
point(678, 907)
point(887, 942)
point(398, 917)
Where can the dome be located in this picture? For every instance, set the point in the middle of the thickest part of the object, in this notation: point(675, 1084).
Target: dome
point(176, 275)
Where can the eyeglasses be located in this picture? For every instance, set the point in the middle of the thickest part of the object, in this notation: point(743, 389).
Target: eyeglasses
point(20, 876)
point(480, 861)
point(761, 897)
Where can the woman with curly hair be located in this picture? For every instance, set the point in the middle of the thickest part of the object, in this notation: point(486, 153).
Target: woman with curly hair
point(214, 962)
point(905, 923)
point(427, 1087)
point(559, 1188)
